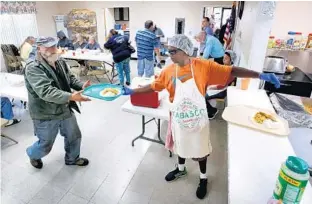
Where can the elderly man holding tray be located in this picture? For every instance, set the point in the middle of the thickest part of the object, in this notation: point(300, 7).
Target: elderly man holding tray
point(51, 103)
point(186, 81)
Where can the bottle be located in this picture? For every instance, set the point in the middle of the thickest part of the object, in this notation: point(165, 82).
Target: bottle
point(309, 42)
point(290, 40)
point(271, 42)
point(292, 180)
point(297, 41)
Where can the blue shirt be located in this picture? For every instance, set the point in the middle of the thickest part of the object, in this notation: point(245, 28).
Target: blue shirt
point(209, 30)
point(146, 42)
point(95, 46)
point(213, 48)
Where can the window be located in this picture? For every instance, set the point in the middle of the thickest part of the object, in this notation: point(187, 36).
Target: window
point(15, 28)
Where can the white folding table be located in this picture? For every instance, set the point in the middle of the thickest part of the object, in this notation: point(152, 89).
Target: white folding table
point(13, 86)
point(93, 55)
point(160, 113)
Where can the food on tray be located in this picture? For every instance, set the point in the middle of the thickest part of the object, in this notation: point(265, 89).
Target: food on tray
point(308, 108)
point(109, 92)
point(290, 68)
point(261, 117)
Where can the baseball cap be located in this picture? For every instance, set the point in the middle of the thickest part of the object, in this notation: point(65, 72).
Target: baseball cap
point(46, 41)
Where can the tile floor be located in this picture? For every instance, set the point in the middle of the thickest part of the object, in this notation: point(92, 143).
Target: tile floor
point(118, 172)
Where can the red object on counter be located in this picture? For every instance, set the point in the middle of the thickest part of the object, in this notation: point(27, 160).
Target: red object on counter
point(149, 100)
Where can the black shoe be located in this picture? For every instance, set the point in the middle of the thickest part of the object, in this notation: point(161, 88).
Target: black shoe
point(128, 83)
point(13, 122)
point(175, 174)
point(212, 113)
point(202, 188)
point(79, 162)
point(159, 66)
point(37, 163)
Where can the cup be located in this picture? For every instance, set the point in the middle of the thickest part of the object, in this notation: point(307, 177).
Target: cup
point(245, 83)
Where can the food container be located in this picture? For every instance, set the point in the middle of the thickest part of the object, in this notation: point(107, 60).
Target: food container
point(271, 42)
point(309, 42)
point(292, 180)
point(149, 100)
point(290, 39)
point(278, 43)
point(297, 41)
point(303, 43)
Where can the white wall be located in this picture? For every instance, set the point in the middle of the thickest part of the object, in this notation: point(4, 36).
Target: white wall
point(292, 16)
point(45, 21)
point(252, 34)
point(162, 13)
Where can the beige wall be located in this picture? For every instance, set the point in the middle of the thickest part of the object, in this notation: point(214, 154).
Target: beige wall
point(45, 21)
point(162, 13)
point(292, 16)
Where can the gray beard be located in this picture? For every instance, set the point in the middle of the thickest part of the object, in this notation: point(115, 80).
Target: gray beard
point(51, 59)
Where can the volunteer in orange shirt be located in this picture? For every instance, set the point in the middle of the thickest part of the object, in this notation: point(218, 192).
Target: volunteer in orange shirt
point(187, 81)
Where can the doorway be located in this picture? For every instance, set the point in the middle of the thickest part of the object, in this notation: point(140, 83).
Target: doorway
point(117, 18)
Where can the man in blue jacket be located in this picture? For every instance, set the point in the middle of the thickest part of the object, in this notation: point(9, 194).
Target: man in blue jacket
point(119, 46)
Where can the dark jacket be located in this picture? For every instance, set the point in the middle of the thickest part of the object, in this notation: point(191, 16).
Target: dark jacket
point(221, 34)
point(46, 99)
point(119, 46)
point(64, 41)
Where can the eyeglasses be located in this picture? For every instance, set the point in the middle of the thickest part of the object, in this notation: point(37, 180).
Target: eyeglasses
point(173, 52)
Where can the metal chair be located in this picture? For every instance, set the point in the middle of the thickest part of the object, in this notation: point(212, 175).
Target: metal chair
point(4, 122)
point(100, 71)
point(75, 67)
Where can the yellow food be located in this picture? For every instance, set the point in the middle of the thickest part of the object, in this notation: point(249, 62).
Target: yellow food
point(308, 108)
point(109, 92)
point(290, 68)
point(260, 117)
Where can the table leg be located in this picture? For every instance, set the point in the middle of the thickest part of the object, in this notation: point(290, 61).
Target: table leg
point(141, 136)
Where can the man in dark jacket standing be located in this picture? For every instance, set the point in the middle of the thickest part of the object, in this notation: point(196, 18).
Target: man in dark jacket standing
point(119, 46)
point(64, 41)
point(51, 104)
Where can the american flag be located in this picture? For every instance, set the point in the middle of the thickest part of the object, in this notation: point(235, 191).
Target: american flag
point(230, 27)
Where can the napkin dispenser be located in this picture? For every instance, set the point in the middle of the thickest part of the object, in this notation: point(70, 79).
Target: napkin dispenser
point(149, 100)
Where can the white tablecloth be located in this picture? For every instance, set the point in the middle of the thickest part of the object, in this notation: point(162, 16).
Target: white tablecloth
point(88, 55)
point(13, 86)
point(255, 157)
point(162, 112)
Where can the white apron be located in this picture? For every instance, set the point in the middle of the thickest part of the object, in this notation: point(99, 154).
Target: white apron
point(190, 124)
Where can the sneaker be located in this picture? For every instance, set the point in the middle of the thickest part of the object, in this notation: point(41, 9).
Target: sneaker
point(79, 162)
point(128, 83)
point(37, 163)
point(13, 122)
point(201, 191)
point(159, 65)
point(175, 174)
point(212, 114)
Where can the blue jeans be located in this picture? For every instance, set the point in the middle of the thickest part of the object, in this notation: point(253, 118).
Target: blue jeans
point(123, 67)
point(47, 130)
point(145, 66)
point(6, 108)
